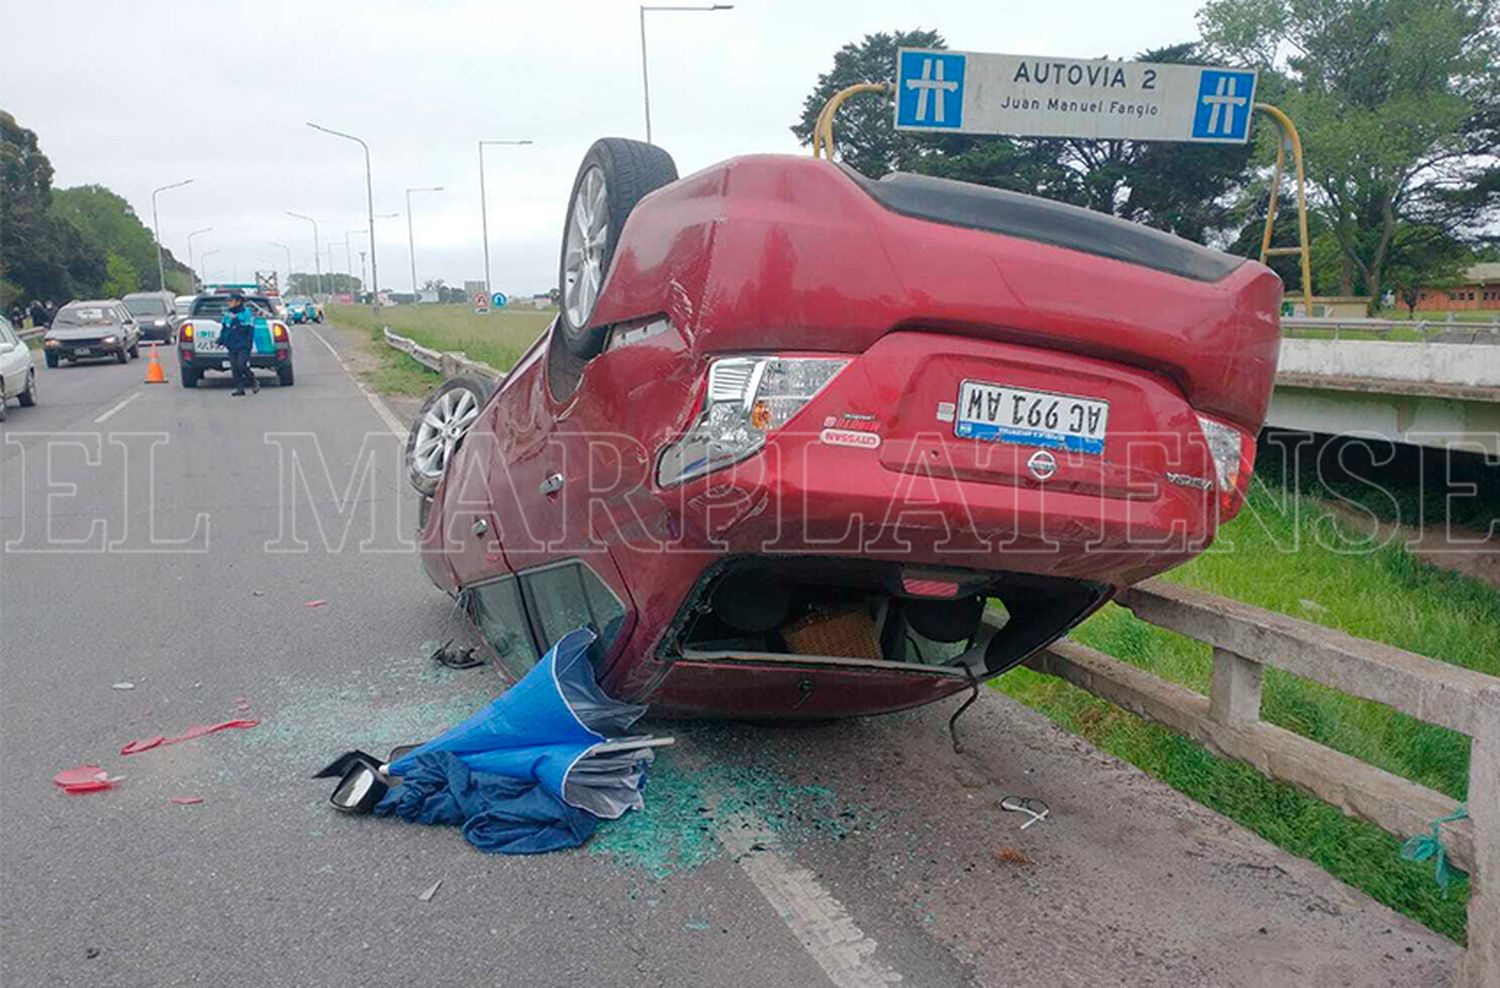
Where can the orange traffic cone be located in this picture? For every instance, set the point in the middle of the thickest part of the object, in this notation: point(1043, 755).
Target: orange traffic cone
point(154, 373)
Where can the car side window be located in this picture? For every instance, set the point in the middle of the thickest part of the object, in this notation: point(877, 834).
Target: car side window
point(502, 619)
point(571, 595)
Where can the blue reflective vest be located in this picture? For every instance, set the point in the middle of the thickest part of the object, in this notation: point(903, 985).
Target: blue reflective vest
point(237, 328)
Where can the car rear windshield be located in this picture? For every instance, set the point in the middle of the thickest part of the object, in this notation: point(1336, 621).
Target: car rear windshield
point(147, 306)
point(213, 306)
point(83, 316)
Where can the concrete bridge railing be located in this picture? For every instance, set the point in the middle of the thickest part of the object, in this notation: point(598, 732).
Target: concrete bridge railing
point(1245, 640)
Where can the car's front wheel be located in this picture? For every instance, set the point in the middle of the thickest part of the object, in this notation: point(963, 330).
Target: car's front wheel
point(440, 427)
point(27, 397)
point(615, 175)
point(51, 359)
point(122, 355)
point(135, 350)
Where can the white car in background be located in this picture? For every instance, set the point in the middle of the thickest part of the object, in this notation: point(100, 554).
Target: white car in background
point(17, 370)
point(184, 305)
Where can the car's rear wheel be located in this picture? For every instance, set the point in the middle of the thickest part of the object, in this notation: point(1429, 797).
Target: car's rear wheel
point(615, 175)
point(27, 397)
point(285, 377)
point(440, 427)
point(190, 376)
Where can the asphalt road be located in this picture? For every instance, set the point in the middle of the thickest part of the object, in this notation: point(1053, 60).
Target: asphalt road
point(172, 539)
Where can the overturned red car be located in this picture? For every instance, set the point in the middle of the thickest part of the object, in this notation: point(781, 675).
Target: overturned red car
point(804, 444)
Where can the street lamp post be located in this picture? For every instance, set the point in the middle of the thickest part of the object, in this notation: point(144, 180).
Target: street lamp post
point(645, 82)
point(317, 257)
point(288, 251)
point(361, 267)
point(411, 239)
point(161, 271)
point(484, 212)
point(206, 255)
point(369, 204)
point(192, 267)
point(348, 257)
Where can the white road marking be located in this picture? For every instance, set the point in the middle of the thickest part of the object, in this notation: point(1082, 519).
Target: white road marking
point(381, 408)
point(818, 920)
point(119, 405)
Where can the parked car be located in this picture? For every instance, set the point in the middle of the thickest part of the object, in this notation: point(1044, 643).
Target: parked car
point(198, 348)
point(183, 305)
point(803, 444)
point(156, 312)
point(17, 371)
point(101, 328)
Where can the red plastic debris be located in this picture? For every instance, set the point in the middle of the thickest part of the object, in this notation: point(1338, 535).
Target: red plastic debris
point(195, 731)
point(136, 747)
point(186, 800)
point(84, 778)
point(315, 603)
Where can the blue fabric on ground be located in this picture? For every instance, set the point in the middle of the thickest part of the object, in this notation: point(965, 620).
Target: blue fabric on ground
point(499, 815)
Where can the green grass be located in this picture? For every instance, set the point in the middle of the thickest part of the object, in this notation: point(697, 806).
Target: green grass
point(1280, 554)
point(496, 339)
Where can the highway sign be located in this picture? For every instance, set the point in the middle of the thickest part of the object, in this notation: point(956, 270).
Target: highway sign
point(481, 302)
point(498, 300)
point(1031, 96)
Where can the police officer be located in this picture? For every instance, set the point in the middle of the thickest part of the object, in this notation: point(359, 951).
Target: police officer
point(237, 335)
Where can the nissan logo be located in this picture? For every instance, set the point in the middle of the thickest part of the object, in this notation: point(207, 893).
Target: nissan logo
point(1042, 464)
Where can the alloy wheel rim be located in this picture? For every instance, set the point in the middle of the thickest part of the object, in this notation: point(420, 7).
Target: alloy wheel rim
point(442, 429)
point(583, 248)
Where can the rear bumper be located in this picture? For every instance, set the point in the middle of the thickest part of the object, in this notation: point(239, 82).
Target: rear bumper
point(219, 360)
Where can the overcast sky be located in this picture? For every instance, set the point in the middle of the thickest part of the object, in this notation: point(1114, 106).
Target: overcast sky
point(138, 94)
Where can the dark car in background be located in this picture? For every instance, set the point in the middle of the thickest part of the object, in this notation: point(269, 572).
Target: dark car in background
point(99, 328)
point(198, 347)
point(156, 312)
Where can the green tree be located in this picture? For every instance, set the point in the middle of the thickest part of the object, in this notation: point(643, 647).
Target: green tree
point(120, 278)
point(1396, 101)
point(42, 256)
point(1424, 257)
point(108, 220)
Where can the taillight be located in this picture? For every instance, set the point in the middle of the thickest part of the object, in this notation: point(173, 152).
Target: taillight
point(278, 332)
point(747, 398)
point(187, 332)
point(1233, 453)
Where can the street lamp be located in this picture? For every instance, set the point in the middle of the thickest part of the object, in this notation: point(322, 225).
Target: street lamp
point(317, 260)
point(288, 251)
point(348, 257)
point(206, 255)
point(484, 212)
point(411, 240)
point(191, 267)
point(645, 83)
point(161, 272)
point(369, 203)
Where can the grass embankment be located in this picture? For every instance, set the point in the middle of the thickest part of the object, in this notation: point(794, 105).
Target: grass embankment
point(496, 339)
point(1285, 554)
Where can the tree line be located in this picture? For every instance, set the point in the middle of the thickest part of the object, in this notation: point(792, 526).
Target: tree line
point(1397, 103)
point(62, 244)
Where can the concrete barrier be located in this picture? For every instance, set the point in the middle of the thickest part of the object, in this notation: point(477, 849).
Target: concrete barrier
point(1428, 363)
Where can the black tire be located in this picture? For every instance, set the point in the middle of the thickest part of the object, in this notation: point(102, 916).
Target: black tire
point(190, 377)
point(27, 397)
point(3, 413)
point(51, 359)
point(121, 355)
point(631, 170)
point(135, 350)
point(426, 482)
point(284, 376)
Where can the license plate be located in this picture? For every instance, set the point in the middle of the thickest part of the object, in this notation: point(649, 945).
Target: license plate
point(998, 413)
point(86, 352)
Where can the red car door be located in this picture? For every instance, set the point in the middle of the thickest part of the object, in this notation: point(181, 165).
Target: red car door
point(473, 534)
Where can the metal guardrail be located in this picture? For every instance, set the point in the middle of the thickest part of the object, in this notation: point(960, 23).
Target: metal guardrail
point(1245, 640)
point(1451, 330)
point(449, 363)
point(27, 334)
